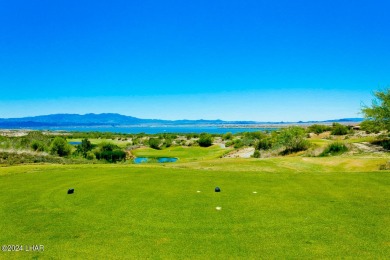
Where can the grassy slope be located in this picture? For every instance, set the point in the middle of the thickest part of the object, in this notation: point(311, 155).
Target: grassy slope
point(304, 207)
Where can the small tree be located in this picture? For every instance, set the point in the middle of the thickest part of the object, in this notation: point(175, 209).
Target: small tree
point(60, 147)
point(84, 147)
point(379, 112)
point(205, 140)
point(370, 126)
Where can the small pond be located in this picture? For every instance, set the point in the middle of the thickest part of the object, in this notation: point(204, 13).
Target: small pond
point(155, 159)
point(74, 143)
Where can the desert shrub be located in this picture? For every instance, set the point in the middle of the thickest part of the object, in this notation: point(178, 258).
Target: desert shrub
point(205, 140)
point(339, 129)
point(336, 148)
point(318, 129)
point(60, 147)
point(247, 141)
point(227, 136)
point(385, 143)
point(293, 139)
point(20, 158)
point(154, 143)
point(23, 143)
point(90, 155)
point(238, 143)
point(255, 135)
point(264, 144)
point(191, 135)
point(135, 141)
point(38, 146)
point(385, 166)
point(167, 142)
point(229, 143)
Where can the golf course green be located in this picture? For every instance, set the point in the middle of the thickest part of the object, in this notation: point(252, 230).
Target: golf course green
point(286, 207)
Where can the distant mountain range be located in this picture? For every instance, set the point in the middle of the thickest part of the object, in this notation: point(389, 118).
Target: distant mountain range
point(111, 119)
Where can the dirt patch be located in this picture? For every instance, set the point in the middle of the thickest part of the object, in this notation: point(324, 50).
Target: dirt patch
point(366, 147)
point(241, 153)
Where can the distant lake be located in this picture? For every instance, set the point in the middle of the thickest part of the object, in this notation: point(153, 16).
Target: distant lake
point(155, 129)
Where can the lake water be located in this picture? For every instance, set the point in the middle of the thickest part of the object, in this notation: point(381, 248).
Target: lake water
point(156, 129)
point(159, 159)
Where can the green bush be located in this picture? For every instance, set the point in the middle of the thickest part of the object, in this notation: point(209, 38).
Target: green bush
point(90, 155)
point(385, 143)
point(38, 146)
point(293, 139)
point(318, 129)
point(111, 156)
point(105, 146)
point(336, 148)
point(227, 136)
point(229, 143)
point(60, 147)
point(238, 143)
point(154, 143)
point(256, 154)
point(109, 152)
point(339, 129)
point(264, 144)
point(167, 142)
point(84, 147)
point(205, 140)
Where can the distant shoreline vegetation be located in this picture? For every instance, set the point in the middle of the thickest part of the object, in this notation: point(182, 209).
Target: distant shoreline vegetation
point(155, 129)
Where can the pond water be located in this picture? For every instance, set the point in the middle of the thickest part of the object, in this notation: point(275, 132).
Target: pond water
point(158, 159)
point(74, 143)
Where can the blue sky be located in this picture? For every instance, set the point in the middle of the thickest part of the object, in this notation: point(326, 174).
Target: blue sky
point(233, 60)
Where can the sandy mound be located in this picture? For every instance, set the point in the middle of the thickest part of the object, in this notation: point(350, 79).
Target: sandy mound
point(241, 153)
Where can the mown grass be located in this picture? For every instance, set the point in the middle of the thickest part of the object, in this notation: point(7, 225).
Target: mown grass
point(303, 208)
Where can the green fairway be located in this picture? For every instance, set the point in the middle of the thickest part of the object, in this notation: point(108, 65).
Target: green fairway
point(154, 210)
point(184, 154)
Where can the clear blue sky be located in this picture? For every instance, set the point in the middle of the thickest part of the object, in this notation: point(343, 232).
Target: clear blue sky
point(233, 60)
